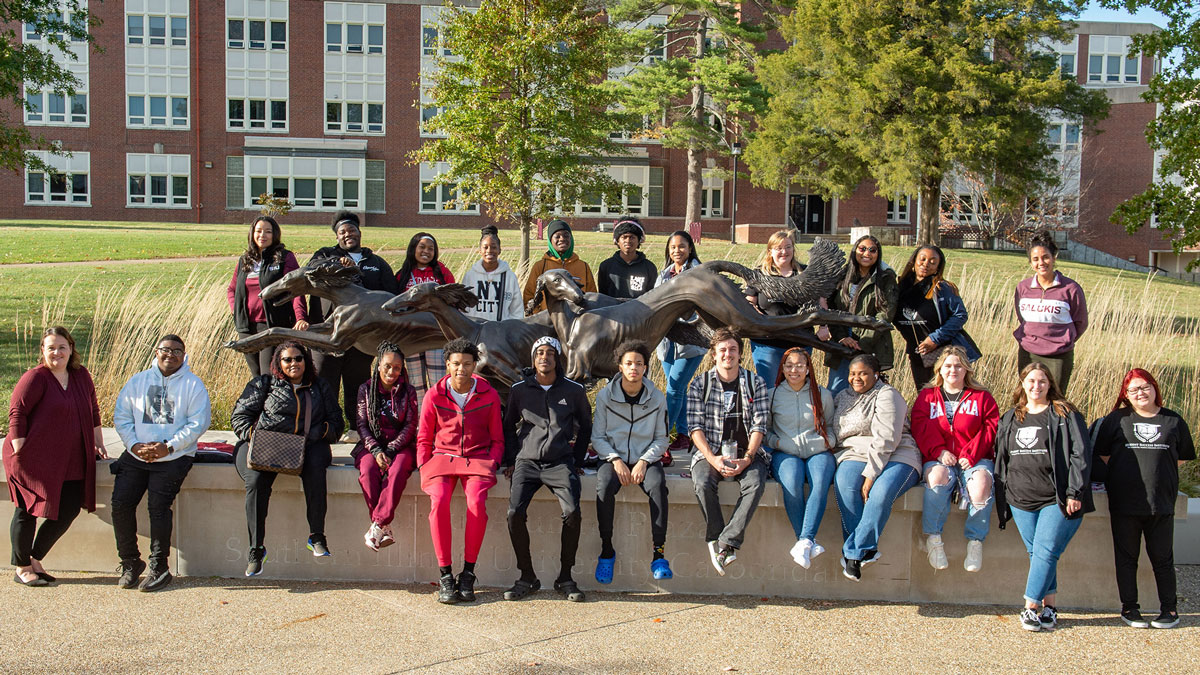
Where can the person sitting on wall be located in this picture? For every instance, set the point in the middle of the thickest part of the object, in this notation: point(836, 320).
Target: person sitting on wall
point(560, 254)
point(629, 433)
point(161, 413)
point(628, 273)
point(547, 425)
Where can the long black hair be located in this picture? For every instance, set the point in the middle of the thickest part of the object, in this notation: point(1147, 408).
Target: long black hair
point(374, 407)
point(275, 252)
point(691, 249)
point(853, 275)
point(410, 261)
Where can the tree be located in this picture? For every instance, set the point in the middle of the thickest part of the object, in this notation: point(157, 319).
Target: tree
point(272, 206)
point(694, 81)
point(37, 67)
point(525, 118)
point(1173, 199)
point(905, 93)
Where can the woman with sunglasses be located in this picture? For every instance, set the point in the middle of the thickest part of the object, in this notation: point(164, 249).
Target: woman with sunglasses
point(868, 288)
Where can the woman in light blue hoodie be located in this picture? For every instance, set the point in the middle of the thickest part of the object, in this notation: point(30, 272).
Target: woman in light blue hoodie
point(800, 440)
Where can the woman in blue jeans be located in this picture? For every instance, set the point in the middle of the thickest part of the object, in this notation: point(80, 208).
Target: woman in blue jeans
point(799, 438)
point(877, 460)
point(1043, 474)
point(679, 362)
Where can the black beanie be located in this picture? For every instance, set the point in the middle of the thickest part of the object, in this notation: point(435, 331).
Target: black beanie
point(555, 226)
point(628, 227)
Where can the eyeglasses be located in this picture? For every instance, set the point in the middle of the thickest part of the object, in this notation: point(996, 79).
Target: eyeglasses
point(864, 249)
point(794, 366)
point(1145, 389)
point(291, 359)
point(169, 351)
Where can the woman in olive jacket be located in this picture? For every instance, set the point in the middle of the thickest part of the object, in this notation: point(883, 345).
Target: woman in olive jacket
point(280, 402)
point(868, 288)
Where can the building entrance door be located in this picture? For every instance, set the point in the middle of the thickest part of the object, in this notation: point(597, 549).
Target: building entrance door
point(807, 213)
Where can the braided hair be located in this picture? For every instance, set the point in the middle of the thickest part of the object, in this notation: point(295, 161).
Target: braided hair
point(374, 407)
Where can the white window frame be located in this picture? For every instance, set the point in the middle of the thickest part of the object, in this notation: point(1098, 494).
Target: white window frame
point(364, 125)
point(157, 70)
point(257, 73)
point(442, 199)
point(151, 11)
point(711, 187)
point(151, 167)
point(240, 12)
point(1059, 134)
point(355, 78)
point(1109, 47)
point(44, 116)
point(268, 122)
point(432, 44)
point(343, 173)
point(77, 164)
point(356, 15)
point(899, 210)
point(78, 66)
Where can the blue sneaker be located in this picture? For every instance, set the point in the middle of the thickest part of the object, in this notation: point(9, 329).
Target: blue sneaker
point(318, 547)
point(604, 569)
point(661, 569)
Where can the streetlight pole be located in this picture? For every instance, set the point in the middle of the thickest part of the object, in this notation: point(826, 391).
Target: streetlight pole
point(735, 150)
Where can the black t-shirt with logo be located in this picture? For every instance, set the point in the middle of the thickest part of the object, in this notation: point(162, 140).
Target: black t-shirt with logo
point(735, 427)
point(1030, 481)
point(1143, 455)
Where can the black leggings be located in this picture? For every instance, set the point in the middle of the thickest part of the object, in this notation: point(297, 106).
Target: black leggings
point(30, 541)
point(317, 458)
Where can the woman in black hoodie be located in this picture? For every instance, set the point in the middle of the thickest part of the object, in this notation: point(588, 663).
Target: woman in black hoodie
point(266, 260)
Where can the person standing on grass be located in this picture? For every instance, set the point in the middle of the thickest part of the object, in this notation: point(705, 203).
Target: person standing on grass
point(1043, 483)
point(679, 361)
point(420, 266)
point(728, 413)
point(493, 282)
point(930, 314)
point(351, 369)
point(54, 437)
point(1143, 445)
point(264, 262)
point(1051, 313)
point(547, 426)
point(629, 433)
point(459, 439)
point(954, 423)
point(801, 437)
point(868, 288)
point(160, 415)
point(560, 254)
point(628, 273)
point(386, 453)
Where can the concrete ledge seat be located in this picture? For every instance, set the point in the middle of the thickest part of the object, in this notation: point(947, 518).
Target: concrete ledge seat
point(210, 539)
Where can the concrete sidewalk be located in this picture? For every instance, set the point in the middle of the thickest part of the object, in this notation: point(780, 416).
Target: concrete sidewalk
point(85, 624)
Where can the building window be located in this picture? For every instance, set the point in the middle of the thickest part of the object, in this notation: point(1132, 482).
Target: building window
point(256, 34)
point(257, 114)
point(1063, 137)
point(66, 184)
point(157, 26)
point(897, 209)
point(632, 199)
point(159, 181)
point(356, 31)
point(355, 68)
point(1110, 62)
point(710, 202)
point(354, 117)
point(433, 42)
point(60, 108)
point(163, 111)
point(57, 109)
point(310, 183)
point(157, 64)
point(448, 198)
point(256, 65)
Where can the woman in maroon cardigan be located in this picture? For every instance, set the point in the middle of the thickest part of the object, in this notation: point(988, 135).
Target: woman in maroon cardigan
point(49, 453)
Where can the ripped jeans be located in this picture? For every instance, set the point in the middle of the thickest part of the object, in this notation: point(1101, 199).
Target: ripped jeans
point(937, 501)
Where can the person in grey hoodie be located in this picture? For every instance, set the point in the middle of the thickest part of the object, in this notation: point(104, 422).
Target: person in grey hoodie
point(800, 439)
point(160, 414)
point(629, 433)
point(877, 460)
point(493, 282)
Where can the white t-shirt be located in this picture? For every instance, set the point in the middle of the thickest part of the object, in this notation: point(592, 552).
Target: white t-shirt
point(461, 399)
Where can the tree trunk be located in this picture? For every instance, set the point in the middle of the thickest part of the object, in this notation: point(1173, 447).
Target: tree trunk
point(695, 173)
point(928, 231)
point(523, 263)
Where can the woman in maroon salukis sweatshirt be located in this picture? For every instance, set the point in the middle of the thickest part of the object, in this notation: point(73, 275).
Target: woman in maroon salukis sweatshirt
point(1051, 313)
point(421, 265)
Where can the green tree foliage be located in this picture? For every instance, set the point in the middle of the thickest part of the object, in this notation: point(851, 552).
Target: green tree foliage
point(59, 22)
point(275, 207)
point(525, 118)
point(903, 92)
point(1173, 198)
point(694, 84)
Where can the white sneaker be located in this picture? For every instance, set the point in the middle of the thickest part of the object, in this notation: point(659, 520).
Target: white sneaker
point(937, 552)
point(974, 560)
point(802, 552)
point(371, 538)
point(385, 536)
point(817, 550)
point(714, 548)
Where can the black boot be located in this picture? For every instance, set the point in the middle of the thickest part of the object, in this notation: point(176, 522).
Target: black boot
point(447, 590)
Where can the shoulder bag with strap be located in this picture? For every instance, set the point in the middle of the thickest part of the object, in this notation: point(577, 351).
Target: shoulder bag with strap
point(278, 451)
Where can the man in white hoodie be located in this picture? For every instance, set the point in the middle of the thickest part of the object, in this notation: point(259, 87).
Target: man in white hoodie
point(494, 282)
point(160, 415)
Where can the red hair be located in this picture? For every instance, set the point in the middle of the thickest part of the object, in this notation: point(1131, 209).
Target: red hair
point(814, 390)
point(1133, 374)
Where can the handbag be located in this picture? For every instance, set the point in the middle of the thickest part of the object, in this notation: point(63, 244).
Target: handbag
point(277, 451)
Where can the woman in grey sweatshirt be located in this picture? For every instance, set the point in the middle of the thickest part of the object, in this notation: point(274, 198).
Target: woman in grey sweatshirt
point(800, 437)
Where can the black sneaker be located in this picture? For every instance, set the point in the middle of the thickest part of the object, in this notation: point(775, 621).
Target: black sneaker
point(1133, 618)
point(1166, 620)
point(156, 580)
point(870, 557)
point(852, 569)
point(447, 590)
point(1048, 617)
point(1030, 620)
point(131, 573)
point(258, 556)
point(466, 586)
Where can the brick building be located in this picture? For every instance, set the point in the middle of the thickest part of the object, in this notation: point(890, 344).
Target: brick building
point(195, 108)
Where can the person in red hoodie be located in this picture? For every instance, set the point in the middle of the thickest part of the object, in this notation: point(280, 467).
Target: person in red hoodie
point(459, 438)
point(954, 424)
point(421, 265)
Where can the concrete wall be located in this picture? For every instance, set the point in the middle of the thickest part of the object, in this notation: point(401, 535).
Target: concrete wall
point(210, 540)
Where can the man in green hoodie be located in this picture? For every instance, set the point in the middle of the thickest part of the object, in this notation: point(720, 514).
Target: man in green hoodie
point(560, 254)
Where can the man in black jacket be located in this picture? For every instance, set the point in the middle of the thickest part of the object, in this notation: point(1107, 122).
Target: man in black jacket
point(354, 367)
point(628, 273)
point(545, 412)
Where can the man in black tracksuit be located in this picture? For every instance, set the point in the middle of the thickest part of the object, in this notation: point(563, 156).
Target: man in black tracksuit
point(545, 412)
point(628, 273)
point(353, 368)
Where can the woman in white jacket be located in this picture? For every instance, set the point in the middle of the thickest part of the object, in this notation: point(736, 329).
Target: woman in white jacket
point(493, 281)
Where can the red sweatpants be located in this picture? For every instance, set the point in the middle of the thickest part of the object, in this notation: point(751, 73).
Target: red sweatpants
point(440, 490)
point(383, 492)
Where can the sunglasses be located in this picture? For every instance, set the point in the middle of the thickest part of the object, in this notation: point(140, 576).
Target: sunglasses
point(291, 359)
point(864, 249)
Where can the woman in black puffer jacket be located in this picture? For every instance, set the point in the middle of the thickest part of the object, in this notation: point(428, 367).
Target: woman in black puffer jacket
point(278, 402)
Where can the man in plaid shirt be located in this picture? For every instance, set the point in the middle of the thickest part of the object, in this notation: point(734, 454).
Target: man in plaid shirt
point(728, 410)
